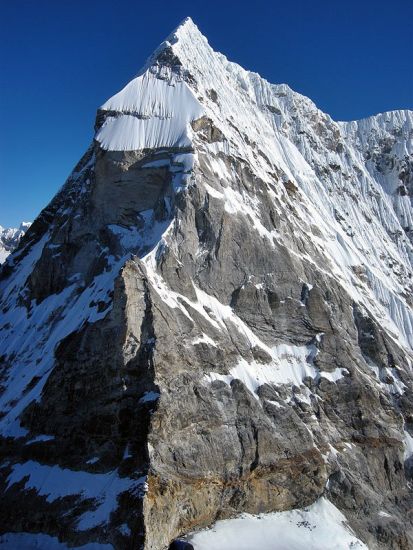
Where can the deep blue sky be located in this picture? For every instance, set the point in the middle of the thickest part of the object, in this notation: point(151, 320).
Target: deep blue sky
point(61, 60)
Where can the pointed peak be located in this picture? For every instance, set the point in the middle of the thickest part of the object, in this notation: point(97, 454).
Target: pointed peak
point(186, 36)
point(185, 29)
point(187, 22)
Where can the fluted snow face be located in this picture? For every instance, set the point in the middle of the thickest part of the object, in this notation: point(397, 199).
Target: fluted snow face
point(152, 111)
point(385, 143)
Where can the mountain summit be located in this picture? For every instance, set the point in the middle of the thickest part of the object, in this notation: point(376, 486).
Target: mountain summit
point(213, 316)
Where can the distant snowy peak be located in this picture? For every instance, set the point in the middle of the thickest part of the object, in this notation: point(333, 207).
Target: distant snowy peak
point(10, 238)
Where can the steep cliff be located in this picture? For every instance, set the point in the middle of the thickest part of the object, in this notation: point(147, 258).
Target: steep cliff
point(214, 315)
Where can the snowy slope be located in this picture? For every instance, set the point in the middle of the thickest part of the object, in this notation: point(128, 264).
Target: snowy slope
point(318, 527)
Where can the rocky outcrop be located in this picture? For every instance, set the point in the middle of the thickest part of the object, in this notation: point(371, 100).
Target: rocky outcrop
point(212, 316)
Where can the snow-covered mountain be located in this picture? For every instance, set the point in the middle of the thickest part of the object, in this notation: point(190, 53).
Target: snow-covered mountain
point(213, 316)
point(10, 238)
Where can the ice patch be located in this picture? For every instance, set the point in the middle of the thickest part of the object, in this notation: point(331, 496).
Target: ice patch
point(149, 396)
point(41, 438)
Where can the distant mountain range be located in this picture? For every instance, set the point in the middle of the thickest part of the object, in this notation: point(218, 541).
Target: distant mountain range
point(10, 238)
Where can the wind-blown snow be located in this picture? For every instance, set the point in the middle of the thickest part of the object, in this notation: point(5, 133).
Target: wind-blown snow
point(321, 526)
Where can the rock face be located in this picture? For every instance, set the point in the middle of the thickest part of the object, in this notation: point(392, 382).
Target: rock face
point(214, 315)
point(10, 238)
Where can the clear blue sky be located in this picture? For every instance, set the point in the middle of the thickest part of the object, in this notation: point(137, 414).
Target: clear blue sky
point(61, 60)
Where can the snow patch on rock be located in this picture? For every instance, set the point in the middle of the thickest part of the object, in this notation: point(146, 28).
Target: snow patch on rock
point(54, 482)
